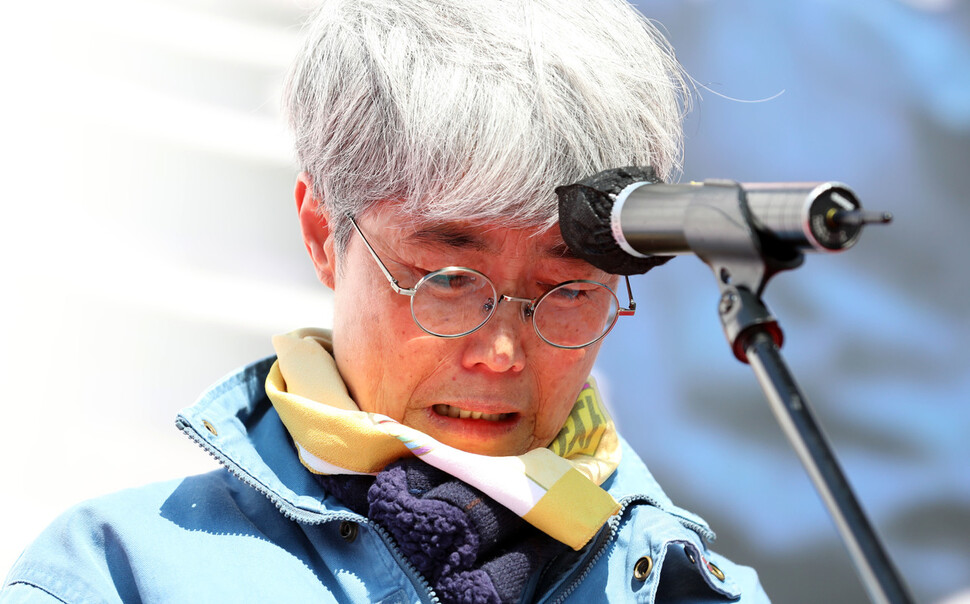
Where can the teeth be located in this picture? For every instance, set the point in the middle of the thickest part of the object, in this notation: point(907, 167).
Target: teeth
point(457, 412)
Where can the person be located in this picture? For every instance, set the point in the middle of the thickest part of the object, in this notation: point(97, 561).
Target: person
point(444, 441)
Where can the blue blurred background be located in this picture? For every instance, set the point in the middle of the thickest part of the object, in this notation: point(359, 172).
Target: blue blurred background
point(875, 94)
point(149, 244)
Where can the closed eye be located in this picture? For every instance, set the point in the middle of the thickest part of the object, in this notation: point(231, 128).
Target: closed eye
point(570, 294)
point(455, 282)
point(451, 281)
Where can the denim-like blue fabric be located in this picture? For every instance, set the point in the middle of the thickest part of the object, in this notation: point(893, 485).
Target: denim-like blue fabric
point(262, 529)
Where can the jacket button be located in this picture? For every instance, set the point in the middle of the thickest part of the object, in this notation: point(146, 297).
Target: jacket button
point(717, 572)
point(348, 531)
point(641, 570)
point(690, 555)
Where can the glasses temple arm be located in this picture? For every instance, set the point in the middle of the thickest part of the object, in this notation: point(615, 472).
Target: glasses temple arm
point(390, 278)
point(628, 312)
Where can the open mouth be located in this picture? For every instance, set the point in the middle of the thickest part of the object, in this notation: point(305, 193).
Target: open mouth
point(458, 413)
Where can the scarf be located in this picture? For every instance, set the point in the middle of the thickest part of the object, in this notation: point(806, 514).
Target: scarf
point(471, 549)
point(555, 489)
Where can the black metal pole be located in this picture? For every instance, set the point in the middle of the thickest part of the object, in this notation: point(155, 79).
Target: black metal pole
point(746, 233)
point(791, 409)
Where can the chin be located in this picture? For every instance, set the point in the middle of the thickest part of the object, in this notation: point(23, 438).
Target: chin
point(491, 448)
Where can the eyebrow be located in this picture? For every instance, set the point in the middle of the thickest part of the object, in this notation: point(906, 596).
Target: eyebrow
point(450, 236)
point(464, 239)
point(561, 250)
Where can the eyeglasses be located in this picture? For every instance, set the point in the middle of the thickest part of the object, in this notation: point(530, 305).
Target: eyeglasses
point(455, 301)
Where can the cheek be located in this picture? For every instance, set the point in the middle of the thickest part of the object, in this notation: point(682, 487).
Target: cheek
point(380, 353)
point(367, 313)
point(564, 368)
point(560, 381)
point(359, 339)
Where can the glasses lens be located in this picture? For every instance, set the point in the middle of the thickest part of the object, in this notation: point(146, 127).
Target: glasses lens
point(576, 314)
point(452, 301)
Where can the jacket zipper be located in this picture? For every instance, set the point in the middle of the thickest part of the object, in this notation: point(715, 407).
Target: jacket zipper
point(413, 574)
point(614, 525)
point(291, 512)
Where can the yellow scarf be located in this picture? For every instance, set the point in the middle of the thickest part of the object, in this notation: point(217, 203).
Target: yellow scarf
point(555, 489)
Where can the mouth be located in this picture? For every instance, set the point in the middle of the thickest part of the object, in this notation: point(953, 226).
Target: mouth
point(459, 413)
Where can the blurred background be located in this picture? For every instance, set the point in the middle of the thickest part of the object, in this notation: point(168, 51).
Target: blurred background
point(149, 245)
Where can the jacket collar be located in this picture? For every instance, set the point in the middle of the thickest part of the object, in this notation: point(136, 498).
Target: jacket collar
point(236, 423)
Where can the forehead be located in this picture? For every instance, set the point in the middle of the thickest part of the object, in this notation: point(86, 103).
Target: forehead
point(491, 239)
point(480, 237)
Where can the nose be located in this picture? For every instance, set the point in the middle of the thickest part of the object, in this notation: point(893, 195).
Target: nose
point(497, 345)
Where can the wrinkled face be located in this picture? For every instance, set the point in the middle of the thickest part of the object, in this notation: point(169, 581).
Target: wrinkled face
point(513, 389)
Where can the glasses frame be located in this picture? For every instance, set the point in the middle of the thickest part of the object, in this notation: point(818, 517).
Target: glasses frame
point(531, 303)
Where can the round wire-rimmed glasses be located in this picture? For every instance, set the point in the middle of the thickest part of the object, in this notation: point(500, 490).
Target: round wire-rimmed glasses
point(456, 301)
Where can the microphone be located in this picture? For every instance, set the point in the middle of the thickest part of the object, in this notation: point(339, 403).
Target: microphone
point(626, 221)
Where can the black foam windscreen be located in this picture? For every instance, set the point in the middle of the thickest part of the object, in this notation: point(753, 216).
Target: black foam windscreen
point(584, 219)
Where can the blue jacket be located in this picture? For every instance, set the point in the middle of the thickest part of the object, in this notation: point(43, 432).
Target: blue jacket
point(263, 530)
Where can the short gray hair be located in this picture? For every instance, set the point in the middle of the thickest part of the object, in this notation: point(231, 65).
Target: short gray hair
point(476, 110)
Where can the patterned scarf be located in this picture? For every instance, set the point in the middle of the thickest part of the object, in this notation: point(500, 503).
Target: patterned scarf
point(555, 489)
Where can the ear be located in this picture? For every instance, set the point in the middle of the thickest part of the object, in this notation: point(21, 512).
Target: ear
point(317, 234)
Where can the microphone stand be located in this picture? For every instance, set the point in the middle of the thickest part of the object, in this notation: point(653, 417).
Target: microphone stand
point(720, 232)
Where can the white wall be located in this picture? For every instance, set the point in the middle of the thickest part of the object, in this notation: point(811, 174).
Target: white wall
point(148, 237)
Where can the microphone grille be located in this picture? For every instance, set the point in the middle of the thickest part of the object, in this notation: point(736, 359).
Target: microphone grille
point(584, 220)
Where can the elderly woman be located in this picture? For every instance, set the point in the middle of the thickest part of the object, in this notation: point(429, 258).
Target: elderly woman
point(444, 442)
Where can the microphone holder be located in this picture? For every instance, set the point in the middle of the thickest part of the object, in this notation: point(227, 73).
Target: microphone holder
point(721, 232)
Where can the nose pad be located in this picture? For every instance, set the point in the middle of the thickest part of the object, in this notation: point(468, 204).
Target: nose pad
point(525, 305)
point(490, 308)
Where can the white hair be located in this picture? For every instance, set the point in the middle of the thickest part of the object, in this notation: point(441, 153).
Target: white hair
point(476, 110)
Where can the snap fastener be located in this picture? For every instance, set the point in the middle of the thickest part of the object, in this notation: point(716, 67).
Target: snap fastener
point(348, 531)
point(641, 570)
point(210, 427)
point(690, 555)
point(717, 572)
